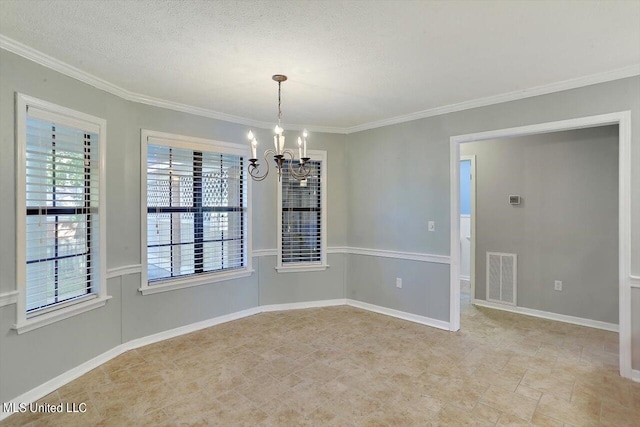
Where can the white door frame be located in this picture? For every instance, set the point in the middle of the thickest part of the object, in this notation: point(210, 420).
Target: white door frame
point(472, 220)
point(623, 121)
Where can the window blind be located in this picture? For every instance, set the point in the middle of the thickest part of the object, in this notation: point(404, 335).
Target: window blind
point(302, 216)
point(62, 188)
point(196, 212)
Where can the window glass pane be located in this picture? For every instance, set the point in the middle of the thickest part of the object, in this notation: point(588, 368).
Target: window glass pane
point(72, 278)
point(61, 217)
point(196, 212)
point(40, 284)
point(302, 216)
point(214, 256)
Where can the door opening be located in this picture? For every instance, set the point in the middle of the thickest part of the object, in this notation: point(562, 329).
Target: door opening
point(467, 226)
point(623, 121)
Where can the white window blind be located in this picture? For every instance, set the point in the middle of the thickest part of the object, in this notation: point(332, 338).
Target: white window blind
point(196, 212)
point(302, 216)
point(62, 217)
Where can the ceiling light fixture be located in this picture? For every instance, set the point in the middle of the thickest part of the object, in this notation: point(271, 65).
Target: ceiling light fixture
point(300, 171)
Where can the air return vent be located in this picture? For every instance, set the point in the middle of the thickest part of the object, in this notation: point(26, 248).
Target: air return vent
point(501, 277)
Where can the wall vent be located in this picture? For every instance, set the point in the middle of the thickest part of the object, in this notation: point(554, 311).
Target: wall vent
point(501, 277)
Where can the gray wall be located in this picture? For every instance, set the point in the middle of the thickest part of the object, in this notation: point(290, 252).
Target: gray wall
point(54, 349)
point(372, 279)
point(384, 185)
point(398, 180)
point(283, 288)
point(566, 227)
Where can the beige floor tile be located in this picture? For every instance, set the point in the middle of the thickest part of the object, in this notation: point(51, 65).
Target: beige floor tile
point(557, 383)
point(452, 416)
point(486, 413)
point(318, 372)
point(617, 415)
point(544, 421)
point(500, 378)
point(285, 417)
point(341, 366)
point(389, 416)
point(354, 407)
point(263, 388)
point(305, 397)
point(507, 420)
point(528, 392)
point(578, 413)
point(322, 417)
point(607, 386)
point(295, 350)
point(419, 407)
point(509, 402)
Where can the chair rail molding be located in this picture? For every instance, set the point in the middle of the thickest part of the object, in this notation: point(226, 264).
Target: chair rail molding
point(8, 298)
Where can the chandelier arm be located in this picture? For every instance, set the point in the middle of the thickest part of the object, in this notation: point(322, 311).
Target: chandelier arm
point(301, 172)
point(254, 167)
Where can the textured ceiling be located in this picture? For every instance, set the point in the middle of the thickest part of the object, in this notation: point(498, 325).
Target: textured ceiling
point(348, 62)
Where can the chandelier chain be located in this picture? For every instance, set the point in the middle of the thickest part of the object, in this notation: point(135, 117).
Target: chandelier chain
point(279, 110)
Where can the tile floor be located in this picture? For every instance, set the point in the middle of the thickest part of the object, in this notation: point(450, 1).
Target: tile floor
point(342, 366)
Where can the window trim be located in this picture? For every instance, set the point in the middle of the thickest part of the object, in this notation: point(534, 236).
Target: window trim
point(190, 143)
point(98, 297)
point(321, 156)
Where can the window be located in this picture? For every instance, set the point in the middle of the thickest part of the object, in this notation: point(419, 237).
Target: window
point(196, 213)
point(60, 224)
point(302, 217)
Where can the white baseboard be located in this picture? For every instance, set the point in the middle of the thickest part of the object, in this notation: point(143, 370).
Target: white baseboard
point(302, 305)
point(467, 278)
point(63, 379)
point(635, 375)
point(52, 385)
point(182, 330)
point(549, 316)
point(423, 320)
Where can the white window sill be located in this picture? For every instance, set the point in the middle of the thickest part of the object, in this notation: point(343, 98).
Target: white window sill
point(180, 283)
point(302, 268)
point(47, 318)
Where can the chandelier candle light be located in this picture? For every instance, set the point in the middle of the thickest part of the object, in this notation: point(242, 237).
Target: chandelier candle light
point(300, 171)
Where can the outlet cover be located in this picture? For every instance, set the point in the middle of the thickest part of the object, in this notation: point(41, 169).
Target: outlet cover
point(432, 226)
point(558, 285)
point(398, 282)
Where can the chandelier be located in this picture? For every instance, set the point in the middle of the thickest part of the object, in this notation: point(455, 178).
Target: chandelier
point(300, 171)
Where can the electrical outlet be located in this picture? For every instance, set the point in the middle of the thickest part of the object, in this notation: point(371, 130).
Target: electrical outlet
point(398, 282)
point(558, 285)
point(432, 226)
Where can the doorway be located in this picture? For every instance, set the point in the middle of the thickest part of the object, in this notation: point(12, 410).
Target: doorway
point(623, 121)
point(467, 228)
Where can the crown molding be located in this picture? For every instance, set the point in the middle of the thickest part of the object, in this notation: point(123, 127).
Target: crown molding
point(591, 79)
point(45, 60)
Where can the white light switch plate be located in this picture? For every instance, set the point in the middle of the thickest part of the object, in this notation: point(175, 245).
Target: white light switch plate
point(432, 226)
